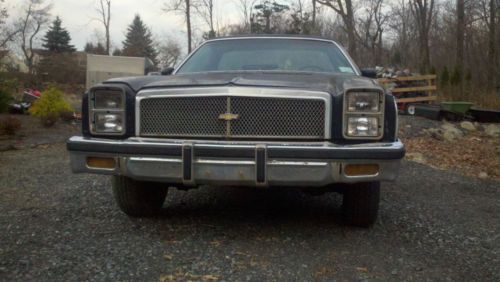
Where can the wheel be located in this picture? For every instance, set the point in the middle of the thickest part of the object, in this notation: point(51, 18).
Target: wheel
point(360, 203)
point(410, 109)
point(138, 198)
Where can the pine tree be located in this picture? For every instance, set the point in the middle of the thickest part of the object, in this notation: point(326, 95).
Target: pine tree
point(57, 38)
point(97, 49)
point(138, 41)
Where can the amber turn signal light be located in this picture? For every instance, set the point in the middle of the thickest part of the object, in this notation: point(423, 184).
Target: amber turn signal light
point(106, 163)
point(361, 169)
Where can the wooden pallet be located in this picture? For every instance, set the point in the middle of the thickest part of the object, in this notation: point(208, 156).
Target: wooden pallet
point(429, 89)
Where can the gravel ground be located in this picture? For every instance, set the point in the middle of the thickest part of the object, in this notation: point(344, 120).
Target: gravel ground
point(59, 226)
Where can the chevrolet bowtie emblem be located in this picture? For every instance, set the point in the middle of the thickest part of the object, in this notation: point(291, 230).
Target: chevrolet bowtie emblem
point(228, 116)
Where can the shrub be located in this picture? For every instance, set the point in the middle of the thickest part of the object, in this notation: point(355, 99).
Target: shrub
point(67, 115)
point(5, 99)
point(7, 87)
point(445, 77)
point(456, 77)
point(9, 125)
point(50, 106)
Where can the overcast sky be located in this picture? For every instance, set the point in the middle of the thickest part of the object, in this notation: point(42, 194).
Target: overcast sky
point(78, 18)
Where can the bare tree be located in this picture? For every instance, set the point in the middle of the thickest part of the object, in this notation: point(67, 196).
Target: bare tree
point(104, 10)
point(314, 13)
point(345, 9)
point(7, 33)
point(184, 7)
point(169, 52)
point(34, 16)
point(402, 25)
point(423, 11)
point(373, 25)
point(206, 10)
point(460, 35)
point(246, 7)
point(493, 72)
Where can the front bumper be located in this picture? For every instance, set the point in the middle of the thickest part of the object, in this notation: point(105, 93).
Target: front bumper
point(196, 162)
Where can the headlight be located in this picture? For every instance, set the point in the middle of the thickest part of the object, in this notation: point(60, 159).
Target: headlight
point(362, 126)
point(363, 114)
point(363, 101)
point(108, 99)
point(108, 123)
point(107, 111)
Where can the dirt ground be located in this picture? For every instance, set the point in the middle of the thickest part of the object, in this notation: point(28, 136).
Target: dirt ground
point(58, 226)
point(33, 134)
point(434, 224)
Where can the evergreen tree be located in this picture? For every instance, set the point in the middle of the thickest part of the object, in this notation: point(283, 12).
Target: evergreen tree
point(98, 49)
point(138, 41)
point(57, 38)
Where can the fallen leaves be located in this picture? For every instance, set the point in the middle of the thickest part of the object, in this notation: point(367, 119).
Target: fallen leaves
point(474, 155)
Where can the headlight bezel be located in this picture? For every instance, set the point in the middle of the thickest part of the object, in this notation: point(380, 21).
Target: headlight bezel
point(95, 110)
point(379, 115)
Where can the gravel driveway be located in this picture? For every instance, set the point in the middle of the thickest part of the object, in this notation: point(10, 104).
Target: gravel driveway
point(433, 225)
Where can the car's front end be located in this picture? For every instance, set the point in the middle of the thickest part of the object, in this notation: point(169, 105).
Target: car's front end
point(240, 128)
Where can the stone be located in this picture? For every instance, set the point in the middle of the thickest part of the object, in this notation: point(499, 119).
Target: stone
point(492, 130)
point(451, 132)
point(483, 175)
point(467, 125)
point(416, 157)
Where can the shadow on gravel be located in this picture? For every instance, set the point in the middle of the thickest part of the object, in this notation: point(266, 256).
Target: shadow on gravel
point(227, 205)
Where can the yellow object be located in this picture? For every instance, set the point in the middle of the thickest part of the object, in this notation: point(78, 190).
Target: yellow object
point(361, 169)
point(95, 162)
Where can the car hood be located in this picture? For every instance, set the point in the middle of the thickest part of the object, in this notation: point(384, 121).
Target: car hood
point(331, 83)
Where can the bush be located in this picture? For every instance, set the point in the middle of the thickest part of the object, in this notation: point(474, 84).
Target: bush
point(9, 125)
point(50, 106)
point(5, 99)
point(7, 87)
point(445, 77)
point(67, 115)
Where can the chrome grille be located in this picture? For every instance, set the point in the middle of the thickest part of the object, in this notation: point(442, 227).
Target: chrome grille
point(257, 117)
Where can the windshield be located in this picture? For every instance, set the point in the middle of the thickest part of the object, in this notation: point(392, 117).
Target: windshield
point(268, 55)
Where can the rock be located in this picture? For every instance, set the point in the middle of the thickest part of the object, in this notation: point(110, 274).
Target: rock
point(467, 125)
point(483, 175)
point(449, 136)
point(434, 133)
point(416, 157)
point(451, 132)
point(492, 130)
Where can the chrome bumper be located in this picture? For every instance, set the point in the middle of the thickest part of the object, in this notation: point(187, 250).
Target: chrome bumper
point(195, 162)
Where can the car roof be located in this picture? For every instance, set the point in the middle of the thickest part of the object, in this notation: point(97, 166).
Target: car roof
point(272, 36)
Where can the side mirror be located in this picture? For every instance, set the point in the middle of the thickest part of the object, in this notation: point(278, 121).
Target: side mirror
point(370, 73)
point(167, 71)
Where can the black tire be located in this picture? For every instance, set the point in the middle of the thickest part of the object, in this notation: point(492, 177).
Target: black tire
point(138, 198)
point(360, 204)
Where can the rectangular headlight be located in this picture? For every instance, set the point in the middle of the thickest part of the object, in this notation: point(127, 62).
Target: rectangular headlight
point(363, 126)
point(363, 101)
point(108, 99)
point(108, 123)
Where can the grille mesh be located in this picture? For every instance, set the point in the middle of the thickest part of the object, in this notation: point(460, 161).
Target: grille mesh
point(183, 116)
point(274, 117)
point(258, 117)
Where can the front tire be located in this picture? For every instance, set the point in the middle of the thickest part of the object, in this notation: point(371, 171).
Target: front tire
point(360, 203)
point(138, 198)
